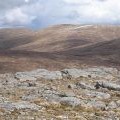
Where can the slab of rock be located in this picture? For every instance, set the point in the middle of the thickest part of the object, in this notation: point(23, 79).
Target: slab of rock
point(32, 94)
point(37, 74)
point(69, 94)
point(51, 95)
point(108, 85)
point(3, 99)
point(74, 73)
point(93, 72)
point(7, 106)
point(19, 105)
point(84, 86)
point(7, 79)
point(26, 84)
point(118, 103)
point(21, 77)
point(97, 105)
point(102, 70)
point(71, 101)
point(66, 73)
point(97, 95)
point(26, 105)
point(112, 105)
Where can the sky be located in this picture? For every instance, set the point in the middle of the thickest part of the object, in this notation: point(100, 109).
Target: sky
point(44, 13)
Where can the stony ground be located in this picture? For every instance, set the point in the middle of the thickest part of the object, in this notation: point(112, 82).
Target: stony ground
point(69, 94)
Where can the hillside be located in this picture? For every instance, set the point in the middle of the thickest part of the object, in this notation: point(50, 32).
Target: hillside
point(71, 36)
point(59, 47)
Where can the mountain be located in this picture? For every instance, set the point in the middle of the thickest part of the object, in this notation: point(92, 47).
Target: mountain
point(59, 47)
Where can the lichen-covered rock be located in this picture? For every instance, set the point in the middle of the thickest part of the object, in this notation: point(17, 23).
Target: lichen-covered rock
point(37, 74)
point(108, 85)
point(26, 105)
point(26, 84)
point(68, 94)
point(97, 95)
point(112, 105)
point(93, 72)
point(84, 86)
point(66, 73)
point(74, 73)
point(9, 106)
point(71, 101)
point(23, 77)
point(7, 79)
point(96, 105)
point(51, 95)
point(118, 103)
point(3, 99)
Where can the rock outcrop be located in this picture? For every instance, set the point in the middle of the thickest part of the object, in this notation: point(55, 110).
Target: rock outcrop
point(94, 72)
point(91, 93)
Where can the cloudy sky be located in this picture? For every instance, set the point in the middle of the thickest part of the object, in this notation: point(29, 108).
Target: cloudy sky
point(43, 13)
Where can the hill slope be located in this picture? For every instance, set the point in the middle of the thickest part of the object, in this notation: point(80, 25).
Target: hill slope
point(63, 37)
point(59, 47)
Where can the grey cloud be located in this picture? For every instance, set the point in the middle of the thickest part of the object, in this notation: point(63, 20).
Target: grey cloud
point(41, 13)
point(7, 4)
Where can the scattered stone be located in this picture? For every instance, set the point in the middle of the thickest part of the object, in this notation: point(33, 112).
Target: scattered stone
point(69, 86)
point(72, 86)
point(43, 94)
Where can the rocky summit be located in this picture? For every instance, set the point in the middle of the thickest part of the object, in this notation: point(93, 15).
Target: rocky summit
point(87, 93)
